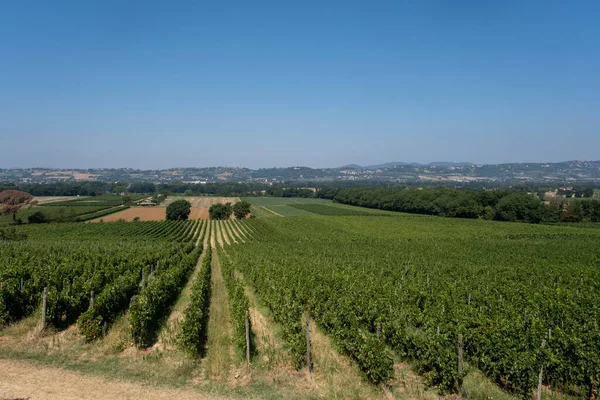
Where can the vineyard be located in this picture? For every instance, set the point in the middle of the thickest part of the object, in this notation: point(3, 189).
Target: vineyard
point(382, 288)
point(524, 298)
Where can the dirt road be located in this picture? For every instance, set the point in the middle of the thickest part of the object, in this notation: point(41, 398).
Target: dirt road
point(25, 380)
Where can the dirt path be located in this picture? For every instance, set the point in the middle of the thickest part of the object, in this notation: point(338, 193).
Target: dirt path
point(218, 234)
point(271, 211)
point(202, 233)
point(25, 380)
point(218, 357)
point(213, 235)
point(224, 232)
point(227, 231)
point(249, 230)
point(236, 232)
point(167, 338)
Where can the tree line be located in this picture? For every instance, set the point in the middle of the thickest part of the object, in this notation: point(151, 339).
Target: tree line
point(280, 189)
point(500, 205)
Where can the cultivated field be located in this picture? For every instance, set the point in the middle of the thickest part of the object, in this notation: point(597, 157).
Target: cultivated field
point(296, 207)
point(385, 295)
point(52, 199)
point(142, 213)
point(150, 214)
point(202, 201)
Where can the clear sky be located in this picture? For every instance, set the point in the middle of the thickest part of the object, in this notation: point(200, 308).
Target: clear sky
point(147, 84)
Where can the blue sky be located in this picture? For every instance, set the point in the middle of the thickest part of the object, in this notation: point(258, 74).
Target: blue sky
point(148, 84)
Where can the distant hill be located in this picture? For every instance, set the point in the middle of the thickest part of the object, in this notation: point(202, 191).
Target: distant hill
point(443, 171)
point(400, 163)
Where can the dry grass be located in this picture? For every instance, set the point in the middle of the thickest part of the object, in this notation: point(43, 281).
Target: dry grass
point(223, 230)
point(217, 233)
point(202, 201)
point(167, 337)
point(22, 379)
point(199, 213)
point(53, 199)
point(235, 232)
point(219, 347)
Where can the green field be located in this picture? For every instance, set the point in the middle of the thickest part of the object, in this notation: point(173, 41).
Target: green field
point(423, 280)
point(298, 206)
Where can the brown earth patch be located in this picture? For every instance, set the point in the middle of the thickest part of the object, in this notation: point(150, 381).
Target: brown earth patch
point(202, 201)
point(199, 213)
point(150, 214)
point(144, 214)
point(22, 379)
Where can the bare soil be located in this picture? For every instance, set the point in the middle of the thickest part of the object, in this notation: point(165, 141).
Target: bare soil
point(143, 213)
point(150, 214)
point(202, 201)
point(199, 213)
point(26, 380)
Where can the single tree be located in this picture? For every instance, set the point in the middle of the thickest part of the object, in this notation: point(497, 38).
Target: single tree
point(13, 200)
point(241, 209)
point(178, 210)
point(37, 217)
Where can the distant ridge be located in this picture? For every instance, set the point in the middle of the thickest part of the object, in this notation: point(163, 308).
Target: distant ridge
point(413, 164)
point(441, 171)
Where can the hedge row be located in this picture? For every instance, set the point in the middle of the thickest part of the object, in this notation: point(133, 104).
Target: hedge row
point(148, 309)
point(193, 330)
point(238, 306)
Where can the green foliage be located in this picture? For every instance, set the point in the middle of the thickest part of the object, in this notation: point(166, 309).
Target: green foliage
point(519, 207)
point(238, 306)
point(501, 204)
point(148, 309)
point(241, 209)
point(194, 327)
point(178, 210)
point(113, 300)
point(505, 287)
point(72, 260)
point(12, 233)
point(37, 217)
point(326, 209)
point(220, 211)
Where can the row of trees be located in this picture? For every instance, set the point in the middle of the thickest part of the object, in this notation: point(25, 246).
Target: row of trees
point(501, 205)
point(285, 189)
point(223, 211)
point(180, 210)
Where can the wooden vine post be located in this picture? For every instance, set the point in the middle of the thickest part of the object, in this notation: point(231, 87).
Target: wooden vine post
point(247, 339)
point(460, 362)
point(539, 389)
point(92, 298)
point(44, 307)
point(308, 358)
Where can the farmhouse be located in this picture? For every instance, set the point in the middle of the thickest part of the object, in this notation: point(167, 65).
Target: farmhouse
point(147, 203)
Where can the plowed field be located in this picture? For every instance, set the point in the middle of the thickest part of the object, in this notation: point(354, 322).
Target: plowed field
point(150, 214)
point(202, 201)
point(144, 213)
